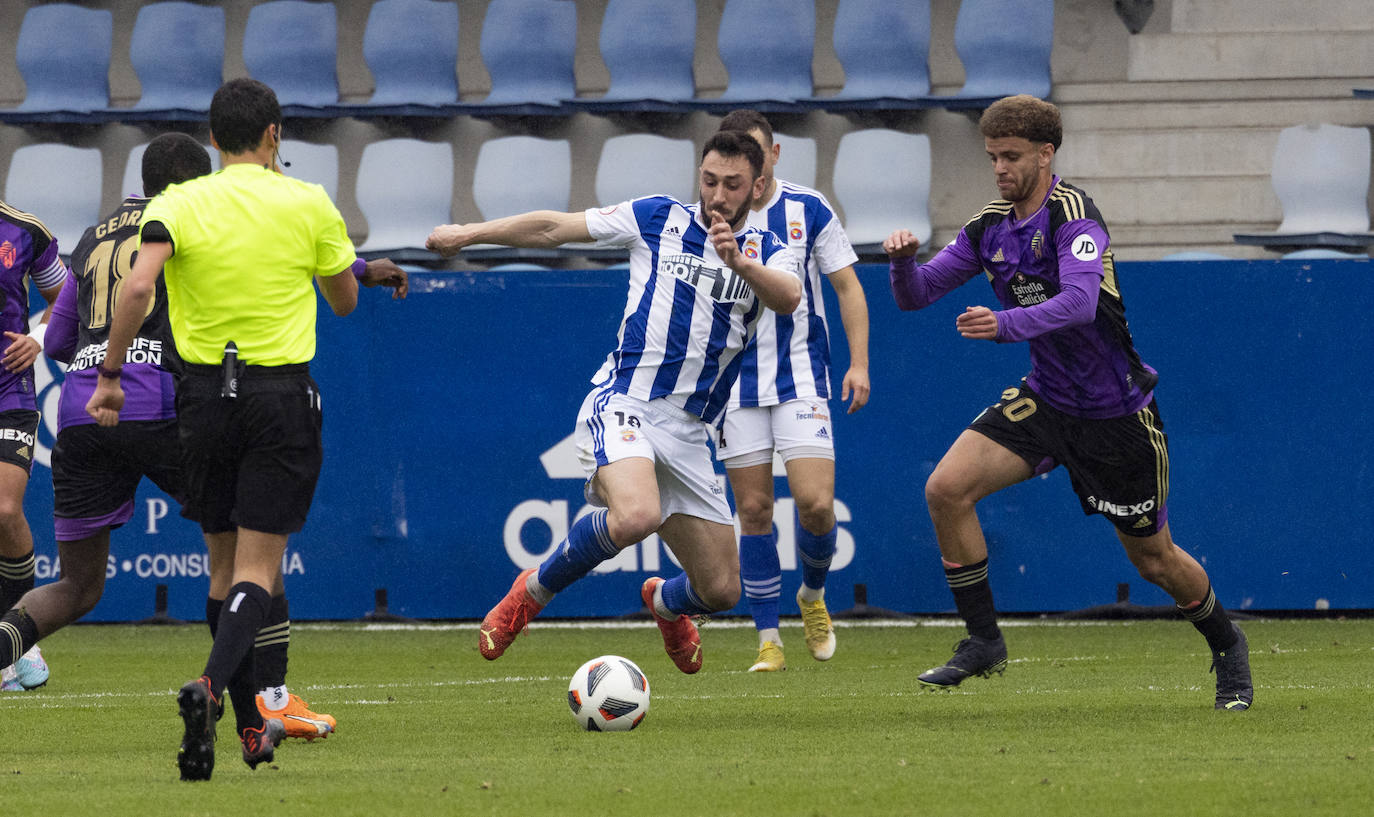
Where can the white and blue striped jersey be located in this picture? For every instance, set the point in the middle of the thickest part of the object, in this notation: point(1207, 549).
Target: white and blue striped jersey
point(789, 357)
point(688, 315)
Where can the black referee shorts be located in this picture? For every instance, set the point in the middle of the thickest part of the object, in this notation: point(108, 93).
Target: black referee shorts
point(1119, 467)
point(251, 461)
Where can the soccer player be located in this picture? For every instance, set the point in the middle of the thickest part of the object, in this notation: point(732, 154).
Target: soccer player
point(781, 401)
point(239, 250)
point(699, 277)
point(27, 250)
point(1088, 403)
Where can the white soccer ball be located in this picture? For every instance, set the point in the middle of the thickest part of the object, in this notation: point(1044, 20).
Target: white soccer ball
point(609, 694)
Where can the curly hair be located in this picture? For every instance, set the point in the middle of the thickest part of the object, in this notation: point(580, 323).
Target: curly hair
point(1032, 119)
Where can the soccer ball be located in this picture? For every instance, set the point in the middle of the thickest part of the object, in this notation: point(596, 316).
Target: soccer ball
point(608, 694)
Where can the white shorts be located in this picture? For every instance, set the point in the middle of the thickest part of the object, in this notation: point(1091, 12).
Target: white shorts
point(613, 426)
point(797, 428)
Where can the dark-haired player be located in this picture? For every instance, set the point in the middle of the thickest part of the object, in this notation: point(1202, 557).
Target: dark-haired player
point(699, 277)
point(1088, 403)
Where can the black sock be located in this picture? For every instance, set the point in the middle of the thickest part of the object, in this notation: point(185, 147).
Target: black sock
point(244, 693)
point(213, 608)
point(1211, 620)
point(18, 633)
point(973, 598)
point(244, 610)
point(16, 579)
point(269, 650)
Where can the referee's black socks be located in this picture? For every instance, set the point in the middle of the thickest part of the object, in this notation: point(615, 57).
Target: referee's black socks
point(244, 611)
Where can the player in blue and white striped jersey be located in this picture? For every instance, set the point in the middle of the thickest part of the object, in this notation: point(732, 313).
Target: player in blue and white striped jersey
point(781, 402)
point(699, 279)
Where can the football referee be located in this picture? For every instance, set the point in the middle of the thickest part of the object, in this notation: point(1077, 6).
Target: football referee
point(240, 249)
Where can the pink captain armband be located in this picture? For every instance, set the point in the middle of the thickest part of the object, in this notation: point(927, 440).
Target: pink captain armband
point(358, 268)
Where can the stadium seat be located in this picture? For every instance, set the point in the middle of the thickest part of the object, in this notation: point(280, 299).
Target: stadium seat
point(59, 184)
point(648, 47)
point(1005, 48)
point(527, 47)
point(1196, 255)
point(405, 189)
point(132, 184)
point(1323, 254)
point(767, 73)
point(63, 55)
point(292, 45)
point(643, 164)
point(1321, 175)
point(502, 186)
point(177, 50)
point(882, 183)
point(797, 161)
point(411, 47)
point(312, 162)
point(883, 46)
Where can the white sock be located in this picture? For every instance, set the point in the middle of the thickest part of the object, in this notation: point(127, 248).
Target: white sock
point(810, 594)
point(660, 609)
point(275, 698)
point(771, 634)
point(541, 594)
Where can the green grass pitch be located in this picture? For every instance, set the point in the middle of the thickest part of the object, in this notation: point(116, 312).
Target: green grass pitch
point(1089, 719)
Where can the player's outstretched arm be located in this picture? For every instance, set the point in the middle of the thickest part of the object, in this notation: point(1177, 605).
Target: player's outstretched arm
point(539, 229)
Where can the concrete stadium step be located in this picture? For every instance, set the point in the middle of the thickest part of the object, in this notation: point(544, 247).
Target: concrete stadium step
point(1262, 55)
point(1216, 16)
point(1195, 152)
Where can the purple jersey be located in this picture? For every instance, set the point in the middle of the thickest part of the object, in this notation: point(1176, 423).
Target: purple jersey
point(1054, 276)
point(27, 250)
point(79, 328)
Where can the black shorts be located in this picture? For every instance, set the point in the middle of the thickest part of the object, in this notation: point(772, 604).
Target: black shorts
point(95, 473)
point(1119, 467)
point(251, 461)
point(18, 433)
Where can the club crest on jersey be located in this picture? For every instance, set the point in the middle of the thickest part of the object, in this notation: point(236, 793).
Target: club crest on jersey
point(751, 248)
point(722, 284)
point(794, 231)
point(7, 254)
point(1038, 244)
point(628, 435)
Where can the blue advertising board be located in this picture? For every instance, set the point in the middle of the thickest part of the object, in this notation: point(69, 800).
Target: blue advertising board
point(449, 466)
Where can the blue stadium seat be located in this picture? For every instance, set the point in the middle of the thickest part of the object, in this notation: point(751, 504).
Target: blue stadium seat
point(1321, 177)
point(767, 49)
point(313, 162)
point(59, 184)
point(528, 48)
point(882, 184)
point(883, 46)
point(643, 164)
point(177, 50)
point(292, 45)
point(1005, 48)
point(63, 55)
point(411, 47)
point(503, 186)
point(797, 161)
point(405, 189)
point(648, 47)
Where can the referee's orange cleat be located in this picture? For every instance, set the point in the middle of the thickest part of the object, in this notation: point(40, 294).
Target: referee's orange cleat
point(299, 721)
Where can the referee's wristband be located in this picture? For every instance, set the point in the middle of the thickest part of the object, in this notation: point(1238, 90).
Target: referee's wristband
point(112, 374)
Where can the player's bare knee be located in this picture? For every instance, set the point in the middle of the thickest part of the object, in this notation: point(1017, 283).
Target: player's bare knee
point(632, 524)
point(718, 593)
point(817, 515)
point(755, 513)
point(946, 496)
